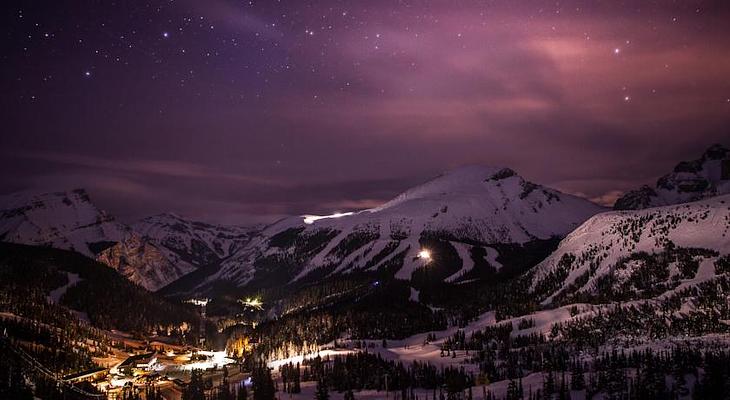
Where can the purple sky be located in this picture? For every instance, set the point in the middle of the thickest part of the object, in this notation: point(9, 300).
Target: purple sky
point(236, 111)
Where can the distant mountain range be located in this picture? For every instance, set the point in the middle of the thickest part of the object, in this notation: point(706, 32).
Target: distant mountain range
point(64, 220)
point(152, 252)
point(693, 180)
point(460, 226)
point(162, 248)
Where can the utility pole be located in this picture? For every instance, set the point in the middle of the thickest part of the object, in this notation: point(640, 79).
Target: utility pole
point(387, 395)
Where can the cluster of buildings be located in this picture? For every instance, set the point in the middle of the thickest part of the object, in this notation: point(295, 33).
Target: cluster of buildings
point(137, 364)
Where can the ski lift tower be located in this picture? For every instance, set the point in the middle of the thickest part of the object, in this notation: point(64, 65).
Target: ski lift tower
point(201, 303)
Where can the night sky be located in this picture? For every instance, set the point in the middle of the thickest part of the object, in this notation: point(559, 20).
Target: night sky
point(242, 111)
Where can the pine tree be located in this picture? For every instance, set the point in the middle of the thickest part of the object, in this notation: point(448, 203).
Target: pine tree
point(296, 388)
point(548, 386)
point(513, 391)
point(577, 380)
point(322, 393)
point(195, 390)
point(263, 384)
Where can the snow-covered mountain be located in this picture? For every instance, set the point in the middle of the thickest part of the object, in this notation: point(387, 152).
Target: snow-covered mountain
point(165, 247)
point(152, 252)
point(65, 220)
point(192, 242)
point(143, 263)
point(689, 181)
point(460, 213)
point(627, 255)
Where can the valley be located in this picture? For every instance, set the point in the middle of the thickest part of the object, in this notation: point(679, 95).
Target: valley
point(474, 284)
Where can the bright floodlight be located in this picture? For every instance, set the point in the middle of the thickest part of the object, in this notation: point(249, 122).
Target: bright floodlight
point(199, 302)
point(424, 255)
point(310, 219)
point(253, 303)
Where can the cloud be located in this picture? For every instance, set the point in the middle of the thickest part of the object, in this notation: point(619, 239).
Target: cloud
point(145, 167)
point(608, 199)
point(359, 112)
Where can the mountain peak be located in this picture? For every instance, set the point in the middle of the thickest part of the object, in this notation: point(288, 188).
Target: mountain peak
point(66, 197)
point(166, 217)
point(465, 207)
point(474, 174)
point(692, 180)
point(64, 219)
point(471, 171)
point(716, 152)
point(466, 180)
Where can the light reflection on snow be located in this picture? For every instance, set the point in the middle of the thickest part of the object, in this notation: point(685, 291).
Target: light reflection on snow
point(214, 359)
point(119, 381)
point(310, 219)
point(300, 358)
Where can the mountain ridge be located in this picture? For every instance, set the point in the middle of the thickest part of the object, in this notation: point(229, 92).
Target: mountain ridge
point(633, 254)
point(694, 180)
point(471, 206)
point(152, 252)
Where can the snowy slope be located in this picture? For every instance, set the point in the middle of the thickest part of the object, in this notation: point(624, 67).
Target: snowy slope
point(625, 255)
point(65, 220)
point(467, 206)
point(689, 181)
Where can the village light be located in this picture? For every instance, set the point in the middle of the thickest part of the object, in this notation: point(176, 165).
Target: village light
point(253, 303)
point(199, 302)
point(425, 255)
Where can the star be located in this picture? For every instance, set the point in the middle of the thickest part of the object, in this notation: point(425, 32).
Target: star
point(616, 50)
point(627, 98)
point(165, 34)
point(87, 73)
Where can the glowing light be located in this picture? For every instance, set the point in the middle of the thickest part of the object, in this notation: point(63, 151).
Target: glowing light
point(199, 302)
point(310, 219)
point(253, 303)
point(213, 359)
point(425, 255)
point(119, 381)
point(616, 50)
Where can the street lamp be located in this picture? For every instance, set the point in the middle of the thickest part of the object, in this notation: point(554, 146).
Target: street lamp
point(424, 255)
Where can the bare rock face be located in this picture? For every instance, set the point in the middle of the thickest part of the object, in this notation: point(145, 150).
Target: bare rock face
point(699, 179)
point(142, 262)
